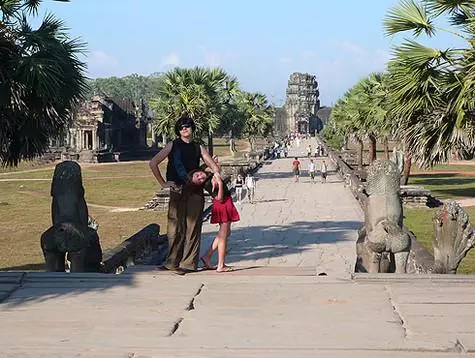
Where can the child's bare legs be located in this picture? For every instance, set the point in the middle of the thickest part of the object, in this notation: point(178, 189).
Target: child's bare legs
point(222, 238)
point(219, 243)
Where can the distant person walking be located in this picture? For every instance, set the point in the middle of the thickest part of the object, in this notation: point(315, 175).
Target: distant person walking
point(251, 187)
point(312, 170)
point(296, 169)
point(317, 151)
point(324, 171)
point(223, 212)
point(185, 209)
point(238, 187)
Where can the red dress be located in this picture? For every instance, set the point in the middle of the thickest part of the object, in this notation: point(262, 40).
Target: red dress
point(224, 211)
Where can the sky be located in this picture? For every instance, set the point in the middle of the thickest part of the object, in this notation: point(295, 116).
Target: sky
point(261, 42)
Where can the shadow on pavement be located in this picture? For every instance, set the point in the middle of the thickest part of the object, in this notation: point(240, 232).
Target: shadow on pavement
point(265, 242)
point(18, 288)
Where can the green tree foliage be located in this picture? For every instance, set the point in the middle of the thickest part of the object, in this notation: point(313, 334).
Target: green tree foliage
point(258, 116)
point(433, 90)
point(362, 113)
point(133, 86)
point(41, 80)
point(333, 136)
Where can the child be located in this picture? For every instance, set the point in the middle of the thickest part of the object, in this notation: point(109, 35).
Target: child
point(223, 212)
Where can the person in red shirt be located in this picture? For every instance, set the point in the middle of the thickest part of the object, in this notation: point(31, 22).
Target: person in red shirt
point(296, 169)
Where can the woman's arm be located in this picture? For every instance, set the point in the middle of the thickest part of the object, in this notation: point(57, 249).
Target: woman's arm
point(209, 161)
point(156, 160)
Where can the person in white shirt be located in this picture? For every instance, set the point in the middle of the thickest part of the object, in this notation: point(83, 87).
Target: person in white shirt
point(238, 186)
point(311, 170)
point(251, 187)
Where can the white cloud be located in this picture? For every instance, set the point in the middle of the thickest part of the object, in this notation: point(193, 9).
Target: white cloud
point(308, 55)
point(347, 47)
point(285, 60)
point(101, 64)
point(170, 60)
point(212, 59)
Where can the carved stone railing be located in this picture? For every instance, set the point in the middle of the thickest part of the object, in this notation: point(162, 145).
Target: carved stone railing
point(229, 170)
point(420, 260)
point(133, 250)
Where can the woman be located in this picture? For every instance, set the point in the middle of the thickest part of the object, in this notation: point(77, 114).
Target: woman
point(238, 186)
point(223, 212)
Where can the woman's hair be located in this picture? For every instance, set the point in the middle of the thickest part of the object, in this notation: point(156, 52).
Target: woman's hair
point(184, 120)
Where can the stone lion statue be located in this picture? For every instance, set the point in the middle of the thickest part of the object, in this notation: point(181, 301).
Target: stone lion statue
point(70, 232)
point(383, 245)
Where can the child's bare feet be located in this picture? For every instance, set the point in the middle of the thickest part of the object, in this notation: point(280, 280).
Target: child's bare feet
point(207, 263)
point(224, 269)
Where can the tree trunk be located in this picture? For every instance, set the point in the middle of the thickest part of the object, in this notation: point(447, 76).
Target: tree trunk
point(210, 144)
point(360, 153)
point(345, 143)
point(386, 147)
point(252, 143)
point(372, 149)
point(407, 167)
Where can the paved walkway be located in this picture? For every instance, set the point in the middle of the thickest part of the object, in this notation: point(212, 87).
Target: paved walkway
point(280, 309)
point(304, 224)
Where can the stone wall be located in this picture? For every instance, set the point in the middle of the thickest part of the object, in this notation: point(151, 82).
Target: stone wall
point(134, 250)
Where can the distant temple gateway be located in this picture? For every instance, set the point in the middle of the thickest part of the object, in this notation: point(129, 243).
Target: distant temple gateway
point(300, 111)
point(102, 128)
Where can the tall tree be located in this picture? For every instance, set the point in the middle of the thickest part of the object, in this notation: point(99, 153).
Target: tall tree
point(258, 116)
point(433, 90)
point(41, 80)
point(202, 93)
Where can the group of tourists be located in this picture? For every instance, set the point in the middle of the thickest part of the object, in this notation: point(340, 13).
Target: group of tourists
point(186, 181)
point(312, 170)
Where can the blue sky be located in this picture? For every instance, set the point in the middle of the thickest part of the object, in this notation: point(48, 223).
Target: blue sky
point(261, 42)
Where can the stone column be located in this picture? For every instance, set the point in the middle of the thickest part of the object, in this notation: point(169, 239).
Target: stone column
point(94, 139)
point(80, 143)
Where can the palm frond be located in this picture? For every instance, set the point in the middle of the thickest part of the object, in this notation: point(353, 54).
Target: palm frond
point(409, 16)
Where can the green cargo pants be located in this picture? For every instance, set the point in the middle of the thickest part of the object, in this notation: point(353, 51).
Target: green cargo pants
point(185, 213)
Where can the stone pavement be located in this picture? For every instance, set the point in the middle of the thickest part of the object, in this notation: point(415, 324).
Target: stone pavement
point(281, 308)
point(295, 224)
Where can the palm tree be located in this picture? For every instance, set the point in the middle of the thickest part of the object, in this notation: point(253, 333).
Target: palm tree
point(432, 90)
point(345, 116)
point(200, 92)
point(258, 116)
point(41, 80)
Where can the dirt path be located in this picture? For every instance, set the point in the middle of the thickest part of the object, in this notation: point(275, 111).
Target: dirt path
point(111, 209)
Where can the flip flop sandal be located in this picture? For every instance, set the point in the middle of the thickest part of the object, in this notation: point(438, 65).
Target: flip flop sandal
point(206, 266)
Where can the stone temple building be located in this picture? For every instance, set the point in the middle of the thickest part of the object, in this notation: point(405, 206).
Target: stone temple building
point(103, 128)
point(299, 113)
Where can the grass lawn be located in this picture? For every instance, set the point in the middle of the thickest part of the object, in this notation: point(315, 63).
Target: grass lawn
point(446, 185)
point(25, 211)
point(25, 205)
point(419, 221)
